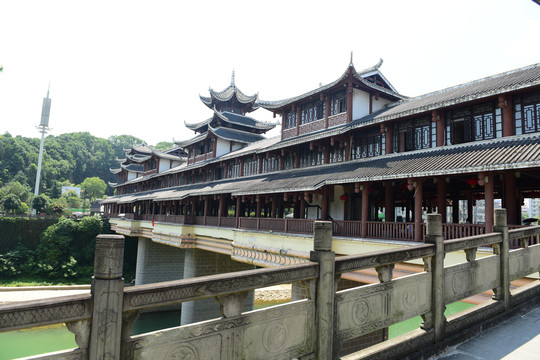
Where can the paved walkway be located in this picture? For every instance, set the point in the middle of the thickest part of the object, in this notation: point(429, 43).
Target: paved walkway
point(517, 338)
point(12, 294)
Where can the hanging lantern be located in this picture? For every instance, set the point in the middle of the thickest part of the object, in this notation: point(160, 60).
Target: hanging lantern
point(472, 182)
point(343, 197)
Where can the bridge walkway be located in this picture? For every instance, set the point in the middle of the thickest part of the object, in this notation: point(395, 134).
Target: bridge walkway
point(516, 338)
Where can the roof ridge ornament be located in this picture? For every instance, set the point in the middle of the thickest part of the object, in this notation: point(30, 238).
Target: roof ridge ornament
point(351, 62)
point(232, 80)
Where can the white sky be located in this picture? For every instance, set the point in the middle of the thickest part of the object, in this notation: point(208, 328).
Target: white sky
point(138, 67)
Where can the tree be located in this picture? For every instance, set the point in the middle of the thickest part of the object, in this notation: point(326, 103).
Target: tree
point(11, 202)
point(93, 188)
point(40, 202)
point(164, 145)
point(23, 192)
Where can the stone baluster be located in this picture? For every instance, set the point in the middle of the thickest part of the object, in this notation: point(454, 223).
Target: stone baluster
point(502, 293)
point(107, 296)
point(435, 319)
point(324, 295)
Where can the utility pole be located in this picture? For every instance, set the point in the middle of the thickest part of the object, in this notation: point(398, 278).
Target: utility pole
point(43, 127)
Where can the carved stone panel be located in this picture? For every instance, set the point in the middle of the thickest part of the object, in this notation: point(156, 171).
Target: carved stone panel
point(367, 308)
point(272, 333)
point(524, 262)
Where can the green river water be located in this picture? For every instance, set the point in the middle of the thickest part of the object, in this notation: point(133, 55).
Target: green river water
point(15, 344)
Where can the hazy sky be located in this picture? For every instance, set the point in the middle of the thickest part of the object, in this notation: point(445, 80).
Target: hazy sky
point(138, 67)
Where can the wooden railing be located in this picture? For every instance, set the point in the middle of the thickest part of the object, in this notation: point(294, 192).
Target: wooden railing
point(403, 231)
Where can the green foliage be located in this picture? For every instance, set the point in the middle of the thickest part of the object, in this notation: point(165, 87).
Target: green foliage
point(11, 202)
point(93, 188)
point(20, 260)
point(164, 145)
point(40, 202)
point(23, 209)
point(66, 249)
point(22, 191)
point(73, 157)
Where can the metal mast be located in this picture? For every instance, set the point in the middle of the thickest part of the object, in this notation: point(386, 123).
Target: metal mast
point(43, 127)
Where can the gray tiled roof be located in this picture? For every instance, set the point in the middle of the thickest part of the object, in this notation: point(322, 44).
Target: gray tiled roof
point(359, 75)
point(235, 135)
point(233, 118)
point(133, 167)
point(497, 84)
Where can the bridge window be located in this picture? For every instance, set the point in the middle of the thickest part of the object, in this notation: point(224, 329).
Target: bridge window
point(311, 157)
point(271, 163)
point(527, 113)
point(312, 111)
point(473, 123)
point(233, 169)
point(415, 135)
point(338, 103)
point(368, 145)
point(289, 161)
point(290, 119)
point(337, 153)
point(251, 166)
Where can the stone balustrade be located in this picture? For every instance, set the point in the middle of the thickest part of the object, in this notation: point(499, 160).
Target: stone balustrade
point(315, 327)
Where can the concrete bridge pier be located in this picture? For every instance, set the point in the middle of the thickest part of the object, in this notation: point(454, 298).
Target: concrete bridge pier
point(201, 263)
point(157, 262)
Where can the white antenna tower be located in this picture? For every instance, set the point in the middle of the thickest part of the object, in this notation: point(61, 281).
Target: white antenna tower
point(43, 127)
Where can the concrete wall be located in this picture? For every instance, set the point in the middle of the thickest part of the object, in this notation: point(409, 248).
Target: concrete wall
point(222, 147)
point(360, 104)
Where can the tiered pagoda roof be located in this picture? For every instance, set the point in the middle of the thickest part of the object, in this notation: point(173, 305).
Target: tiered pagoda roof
point(226, 99)
point(231, 120)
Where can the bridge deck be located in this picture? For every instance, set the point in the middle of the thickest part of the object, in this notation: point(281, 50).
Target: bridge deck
point(516, 338)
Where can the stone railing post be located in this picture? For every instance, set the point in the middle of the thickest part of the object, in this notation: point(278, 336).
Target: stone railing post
point(107, 296)
point(324, 298)
point(502, 293)
point(434, 236)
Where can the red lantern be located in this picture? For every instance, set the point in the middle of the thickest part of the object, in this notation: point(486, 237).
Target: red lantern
point(472, 182)
point(343, 197)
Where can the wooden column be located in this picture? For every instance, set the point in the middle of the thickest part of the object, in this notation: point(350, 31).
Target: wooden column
point(438, 118)
point(441, 198)
point(418, 210)
point(455, 209)
point(505, 104)
point(302, 207)
point(349, 101)
point(389, 208)
point(274, 206)
point(388, 138)
point(238, 210)
point(511, 200)
point(326, 110)
point(324, 203)
point(298, 118)
point(205, 199)
point(365, 208)
point(258, 209)
point(490, 205)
